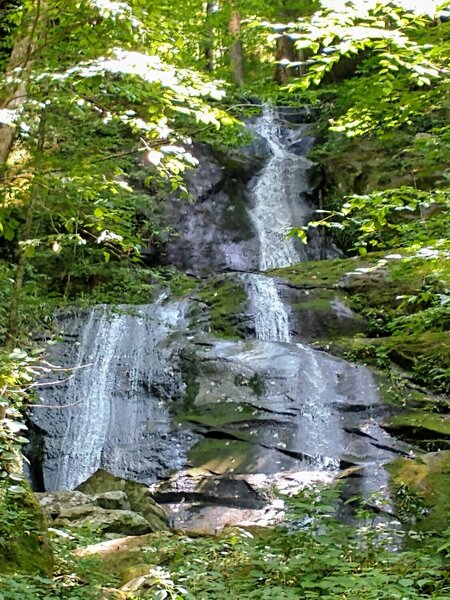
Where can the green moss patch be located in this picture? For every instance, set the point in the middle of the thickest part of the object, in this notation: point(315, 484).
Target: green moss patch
point(224, 456)
point(221, 413)
point(420, 426)
point(225, 297)
point(422, 486)
point(401, 296)
point(24, 547)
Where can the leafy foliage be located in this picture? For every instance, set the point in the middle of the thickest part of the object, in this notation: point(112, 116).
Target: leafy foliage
point(318, 557)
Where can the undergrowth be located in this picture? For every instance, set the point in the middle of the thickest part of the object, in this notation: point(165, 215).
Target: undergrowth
point(316, 556)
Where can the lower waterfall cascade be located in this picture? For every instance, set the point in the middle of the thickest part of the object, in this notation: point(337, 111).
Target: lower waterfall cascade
point(151, 397)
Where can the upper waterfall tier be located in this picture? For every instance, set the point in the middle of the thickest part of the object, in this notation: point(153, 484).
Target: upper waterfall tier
point(279, 198)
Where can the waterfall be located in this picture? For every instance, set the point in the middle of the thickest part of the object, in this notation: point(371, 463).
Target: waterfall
point(277, 205)
point(116, 417)
point(88, 388)
point(270, 313)
point(277, 198)
point(270, 409)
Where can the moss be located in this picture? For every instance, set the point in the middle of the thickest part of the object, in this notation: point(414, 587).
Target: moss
point(225, 296)
point(398, 295)
point(181, 284)
point(423, 487)
point(322, 273)
point(24, 547)
point(219, 456)
point(256, 383)
point(221, 413)
point(421, 424)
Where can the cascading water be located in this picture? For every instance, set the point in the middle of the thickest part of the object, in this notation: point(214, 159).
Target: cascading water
point(269, 312)
point(114, 419)
point(279, 202)
point(278, 198)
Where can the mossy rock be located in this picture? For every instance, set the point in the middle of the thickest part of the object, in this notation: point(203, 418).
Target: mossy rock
point(138, 495)
point(423, 485)
point(361, 165)
point(426, 429)
point(322, 313)
point(24, 547)
point(219, 457)
point(220, 414)
point(426, 356)
point(322, 273)
point(225, 297)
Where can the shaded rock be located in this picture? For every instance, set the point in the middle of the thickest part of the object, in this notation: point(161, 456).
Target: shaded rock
point(430, 431)
point(115, 500)
point(243, 162)
point(106, 521)
point(209, 489)
point(207, 177)
point(200, 502)
point(298, 114)
point(303, 146)
point(321, 314)
point(214, 232)
point(138, 495)
point(55, 502)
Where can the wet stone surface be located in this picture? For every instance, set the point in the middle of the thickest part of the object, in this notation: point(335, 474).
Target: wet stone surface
point(159, 396)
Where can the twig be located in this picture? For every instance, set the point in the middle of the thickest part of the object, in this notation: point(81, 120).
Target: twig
point(54, 405)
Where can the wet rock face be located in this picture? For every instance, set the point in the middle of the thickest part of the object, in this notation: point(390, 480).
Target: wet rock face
point(115, 409)
point(214, 232)
point(273, 413)
point(279, 407)
point(320, 314)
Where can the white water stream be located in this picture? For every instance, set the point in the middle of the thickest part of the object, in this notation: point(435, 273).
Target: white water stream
point(278, 205)
point(113, 413)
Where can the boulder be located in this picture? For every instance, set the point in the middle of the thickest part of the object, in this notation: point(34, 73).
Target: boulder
point(138, 495)
point(111, 505)
point(55, 502)
point(24, 544)
point(115, 500)
point(103, 520)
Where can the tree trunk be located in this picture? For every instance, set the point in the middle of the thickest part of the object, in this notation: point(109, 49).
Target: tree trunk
point(21, 57)
point(236, 49)
point(211, 8)
point(285, 50)
point(14, 314)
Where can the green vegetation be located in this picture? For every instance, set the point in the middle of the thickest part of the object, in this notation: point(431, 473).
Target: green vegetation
point(225, 297)
point(318, 557)
point(99, 103)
